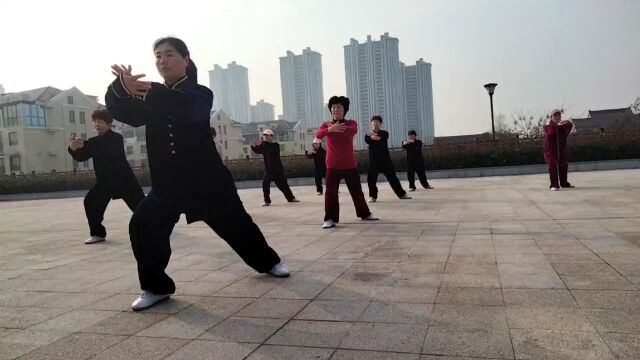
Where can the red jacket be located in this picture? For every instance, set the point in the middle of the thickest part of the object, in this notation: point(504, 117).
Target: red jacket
point(555, 143)
point(340, 153)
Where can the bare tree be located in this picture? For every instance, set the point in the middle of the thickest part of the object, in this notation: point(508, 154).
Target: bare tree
point(501, 124)
point(528, 125)
point(635, 107)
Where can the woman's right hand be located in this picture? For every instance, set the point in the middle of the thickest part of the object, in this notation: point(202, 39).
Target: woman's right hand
point(76, 144)
point(132, 83)
point(338, 127)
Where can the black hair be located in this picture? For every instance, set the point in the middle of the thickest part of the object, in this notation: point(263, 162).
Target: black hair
point(412, 132)
point(181, 48)
point(102, 114)
point(377, 117)
point(342, 100)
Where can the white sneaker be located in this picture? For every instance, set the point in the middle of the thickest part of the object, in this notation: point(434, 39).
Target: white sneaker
point(266, 203)
point(147, 300)
point(279, 270)
point(412, 189)
point(372, 200)
point(328, 224)
point(94, 239)
point(405, 197)
point(553, 188)
point(318, 193)
point(371, 217)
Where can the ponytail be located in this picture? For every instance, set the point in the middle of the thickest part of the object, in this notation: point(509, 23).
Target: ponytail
point(192, 71)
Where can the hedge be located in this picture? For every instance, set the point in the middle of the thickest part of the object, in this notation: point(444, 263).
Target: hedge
point(591, 147)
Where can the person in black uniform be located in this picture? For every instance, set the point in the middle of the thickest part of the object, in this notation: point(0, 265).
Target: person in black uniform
point(114, 178)
point(187, 173)
point(415, 161)
point(273, 169)
point(319, 156)
point(380, 161)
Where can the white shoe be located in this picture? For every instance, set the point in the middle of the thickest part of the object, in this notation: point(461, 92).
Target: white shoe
point(94, 239)
point(553, 188)
point(279, 270)
point(318, 193)
point(328, 224)
point(405, 197)
point(371, 217)
point(147, 300)
point(266, 203)
point(372, 200)
point(412, 189)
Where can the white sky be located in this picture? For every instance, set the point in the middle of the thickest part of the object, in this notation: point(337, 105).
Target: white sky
point(543, 53)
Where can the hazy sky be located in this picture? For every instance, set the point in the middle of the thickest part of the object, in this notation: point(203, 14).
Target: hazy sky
point(542, 53)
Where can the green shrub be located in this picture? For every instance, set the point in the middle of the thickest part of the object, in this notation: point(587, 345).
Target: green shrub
point(590, 147)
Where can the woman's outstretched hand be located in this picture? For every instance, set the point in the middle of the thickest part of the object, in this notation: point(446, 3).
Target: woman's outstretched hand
point(132, 83)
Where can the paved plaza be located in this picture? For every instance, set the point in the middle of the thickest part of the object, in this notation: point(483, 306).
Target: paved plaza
point(496, 267)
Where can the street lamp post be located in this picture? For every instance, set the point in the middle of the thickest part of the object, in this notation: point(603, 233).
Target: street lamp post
point(490, 89)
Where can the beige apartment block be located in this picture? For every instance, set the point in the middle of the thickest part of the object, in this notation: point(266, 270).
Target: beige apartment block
point(35, 128)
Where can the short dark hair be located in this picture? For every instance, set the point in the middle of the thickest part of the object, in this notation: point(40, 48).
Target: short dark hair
point(412, 132)
point(377, 117)
point(342, 100)
point(102, 114)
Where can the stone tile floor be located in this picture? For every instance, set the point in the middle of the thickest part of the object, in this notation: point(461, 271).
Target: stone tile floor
point(480, 268)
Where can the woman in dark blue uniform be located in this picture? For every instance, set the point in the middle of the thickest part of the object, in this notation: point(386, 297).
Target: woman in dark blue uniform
point(319, 156)
point(187, 173)
point(114, 178)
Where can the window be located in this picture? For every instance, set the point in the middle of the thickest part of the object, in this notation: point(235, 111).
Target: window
point(10, 116)
point(244, 150)
point(83, 136)
point(143, 163)
point(129, 150)
point(2, 169)
point(32, 114)
point(70, 100)
point(85, 163)
point(128, 133)
point(225, 144)
point(76, 165)
point(143, 149)
point(1, 147)
point(141, 133)
point(225, 130)
point(13, 138)
point(72, 117)
point(281, 148)
point(82, 119)
point(14, 163)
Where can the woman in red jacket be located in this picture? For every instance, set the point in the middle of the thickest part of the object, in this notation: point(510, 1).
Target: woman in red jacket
point(341, 163)
point(555, 149)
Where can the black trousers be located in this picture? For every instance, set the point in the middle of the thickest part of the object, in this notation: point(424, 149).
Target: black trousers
point(151, 227)
point(95, 204)
point(390, 174)
point(281, 183)
point(319, 175)
point(559, 172)
point(412, 169)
